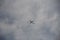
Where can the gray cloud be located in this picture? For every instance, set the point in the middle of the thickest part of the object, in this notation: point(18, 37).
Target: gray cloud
point(19, 13)
point(5, 16)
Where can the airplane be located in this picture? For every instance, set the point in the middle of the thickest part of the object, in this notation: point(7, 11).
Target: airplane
point(32, 22)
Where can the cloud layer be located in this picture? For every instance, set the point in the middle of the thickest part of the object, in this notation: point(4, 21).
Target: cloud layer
point(16, 15)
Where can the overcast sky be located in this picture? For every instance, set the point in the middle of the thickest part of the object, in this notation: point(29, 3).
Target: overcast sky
point(29, 19)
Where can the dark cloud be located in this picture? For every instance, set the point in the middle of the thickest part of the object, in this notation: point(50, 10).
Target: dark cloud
point(6, 36)
point(9, 36)
point(6, 17)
